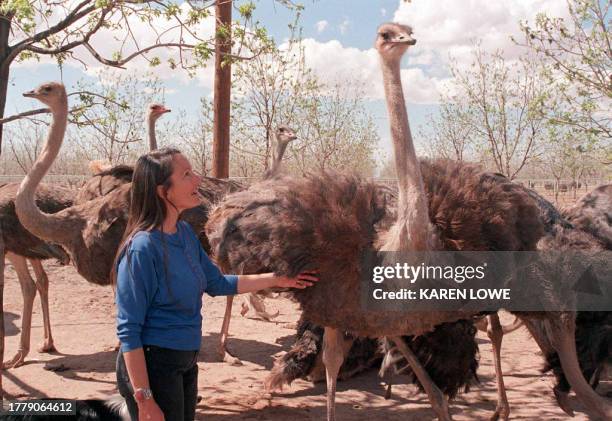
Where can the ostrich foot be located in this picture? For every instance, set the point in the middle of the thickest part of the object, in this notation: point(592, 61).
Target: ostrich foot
point(230, 359)
point(563, 401)
point(226, 357)
point(258, 309)
point(501, 412)
point(17, 361)
point(47, 347)
point(388, 392)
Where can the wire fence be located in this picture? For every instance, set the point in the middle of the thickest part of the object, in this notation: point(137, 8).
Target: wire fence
point(562, 192)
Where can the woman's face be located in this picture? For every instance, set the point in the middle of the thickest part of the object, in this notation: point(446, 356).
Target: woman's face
point(183, 191)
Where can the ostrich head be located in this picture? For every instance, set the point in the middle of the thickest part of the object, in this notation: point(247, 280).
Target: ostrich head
point(393, 39)
point(157, 110)
point(52, 94)
point(284, 134)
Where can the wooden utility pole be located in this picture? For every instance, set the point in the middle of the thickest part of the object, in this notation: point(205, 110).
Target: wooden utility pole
point(222, 89)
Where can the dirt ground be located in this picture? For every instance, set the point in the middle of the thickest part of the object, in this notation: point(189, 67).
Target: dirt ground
point(82, 317)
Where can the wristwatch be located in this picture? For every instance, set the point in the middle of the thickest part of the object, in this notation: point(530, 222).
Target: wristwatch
point(142, 394)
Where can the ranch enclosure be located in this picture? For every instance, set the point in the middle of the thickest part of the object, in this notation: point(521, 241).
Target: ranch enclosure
point(84, 331)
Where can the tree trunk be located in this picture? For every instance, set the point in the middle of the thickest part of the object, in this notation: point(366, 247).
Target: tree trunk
point(222, 91)
point(5, 29)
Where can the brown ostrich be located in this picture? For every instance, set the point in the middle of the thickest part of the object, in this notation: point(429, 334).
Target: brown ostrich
point(19, 247)
point(90, 232)
point(329, 222)
point(108, 178)
point(449, 354)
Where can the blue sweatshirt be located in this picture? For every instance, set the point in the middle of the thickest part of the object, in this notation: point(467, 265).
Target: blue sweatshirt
point(155, 309)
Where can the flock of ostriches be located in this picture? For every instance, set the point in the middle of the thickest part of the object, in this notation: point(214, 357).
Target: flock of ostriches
point(327, 222)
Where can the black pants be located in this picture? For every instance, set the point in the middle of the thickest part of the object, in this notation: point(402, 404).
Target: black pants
point(173, 377)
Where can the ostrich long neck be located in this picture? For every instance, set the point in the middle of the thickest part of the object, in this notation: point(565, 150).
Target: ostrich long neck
point(38, 223)
point(151, 129)
point(277, 157)
point(412, 206)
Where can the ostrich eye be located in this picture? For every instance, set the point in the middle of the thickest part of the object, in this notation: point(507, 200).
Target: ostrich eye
point(47, 88)
point(386, 36)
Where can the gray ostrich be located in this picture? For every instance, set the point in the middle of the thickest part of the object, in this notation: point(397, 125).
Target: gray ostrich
point(328, 222)
point(593, 214)
point(155, 111)
point(590, 230)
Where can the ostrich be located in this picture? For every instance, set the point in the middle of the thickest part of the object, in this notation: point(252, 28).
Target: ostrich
point(19, 246)
point(107, 179)
point(155, 111)
point(590, 230)
point(593, 214)
point(449, 354)
point(328, 222)
point(283, 135)
point(90, 232)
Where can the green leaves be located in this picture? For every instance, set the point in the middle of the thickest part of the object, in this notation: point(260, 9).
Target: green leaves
point(246, 10)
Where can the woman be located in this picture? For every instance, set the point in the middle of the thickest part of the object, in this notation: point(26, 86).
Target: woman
point(161, 274)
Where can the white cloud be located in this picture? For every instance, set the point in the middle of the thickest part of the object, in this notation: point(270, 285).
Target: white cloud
point(363, 66)
point(344, 25)
point(448, 27)
point(383, 12)
point(321, 25)
point(440, 34)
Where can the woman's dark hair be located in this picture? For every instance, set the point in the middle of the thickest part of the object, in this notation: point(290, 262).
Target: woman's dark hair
point(147, 210)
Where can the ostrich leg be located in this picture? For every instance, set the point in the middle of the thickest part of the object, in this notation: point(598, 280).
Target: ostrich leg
point(28, 292)
point(496, 334)
point(561, 393)
point(482, 324)
point(333, 356)
point(256, 303)
point(562, 334)
point(42, 285)
point(222, 350)
point(436, 398)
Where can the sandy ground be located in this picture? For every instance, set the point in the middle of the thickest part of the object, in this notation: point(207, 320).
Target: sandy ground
point(82, 317)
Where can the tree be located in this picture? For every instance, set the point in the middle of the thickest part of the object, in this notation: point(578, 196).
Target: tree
point(447, 136)
point(568, 155)
point(195, 136)
point(578, 54)
point(115, 131)
point(334, 129)
point(267, 92)
point(30, 29)
point(499, 103)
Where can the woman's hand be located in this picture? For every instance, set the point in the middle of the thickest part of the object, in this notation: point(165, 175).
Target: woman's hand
point(303, 280)
point(148, 410)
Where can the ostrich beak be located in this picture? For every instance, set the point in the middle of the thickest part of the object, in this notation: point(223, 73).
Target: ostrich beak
point(30, 94)
point(404, 39)
point(166, 110)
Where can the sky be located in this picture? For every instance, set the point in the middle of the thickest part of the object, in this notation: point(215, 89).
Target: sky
point(338, 38)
